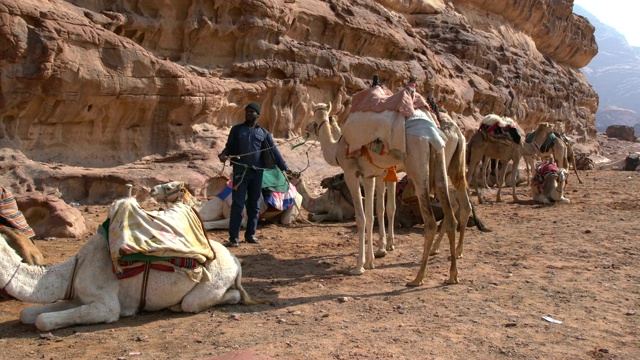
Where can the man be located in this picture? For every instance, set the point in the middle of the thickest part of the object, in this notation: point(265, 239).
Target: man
point(248, 145)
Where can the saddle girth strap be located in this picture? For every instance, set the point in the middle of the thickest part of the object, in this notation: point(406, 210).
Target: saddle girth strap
point(145, 282)
point(71, 291)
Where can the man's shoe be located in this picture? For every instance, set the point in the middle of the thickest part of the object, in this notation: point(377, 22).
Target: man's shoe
point(232, 243)
point(252, 240)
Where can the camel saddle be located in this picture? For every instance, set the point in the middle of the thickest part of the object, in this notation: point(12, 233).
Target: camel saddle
point(174, 233)
point(389, 118)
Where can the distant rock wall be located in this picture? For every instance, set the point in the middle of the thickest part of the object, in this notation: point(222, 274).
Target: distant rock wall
point(107, 82)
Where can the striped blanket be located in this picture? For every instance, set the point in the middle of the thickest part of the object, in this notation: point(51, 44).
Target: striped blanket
point(177, 232)
point(276, 200)
point(11, 216)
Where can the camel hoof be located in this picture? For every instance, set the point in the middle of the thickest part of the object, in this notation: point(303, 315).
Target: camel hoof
point(381, 253)
point(369, 266)
point(452, 281)
point(414, 283)
point(434, 253)
point(358, 271)
point(391, 247)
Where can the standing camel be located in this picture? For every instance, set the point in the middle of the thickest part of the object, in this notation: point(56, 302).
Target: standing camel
point(417, 166)
point(504, 149)
point(544, 142)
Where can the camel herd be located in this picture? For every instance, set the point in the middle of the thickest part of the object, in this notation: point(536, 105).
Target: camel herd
point(85, 290)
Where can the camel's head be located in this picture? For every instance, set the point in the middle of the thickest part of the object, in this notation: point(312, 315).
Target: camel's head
point(320, 116)
point(168, 192)
point(544, 128)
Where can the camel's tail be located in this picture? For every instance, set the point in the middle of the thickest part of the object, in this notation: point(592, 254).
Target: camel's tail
point(479, 223)
point(244, 295)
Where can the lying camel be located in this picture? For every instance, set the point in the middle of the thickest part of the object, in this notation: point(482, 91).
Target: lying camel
point(331, 205)
point(215, 212)
point(85, 290)
point(548, 184)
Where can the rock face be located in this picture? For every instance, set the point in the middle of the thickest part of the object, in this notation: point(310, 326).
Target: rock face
point(103, 83)
point(621, 132)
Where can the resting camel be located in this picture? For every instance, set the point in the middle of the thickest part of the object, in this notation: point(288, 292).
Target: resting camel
point(418, 156)
point(85, 290)
point(548, 184)
point(332, 205)
point(504, 149)
point(544, 142)
point(215, 212)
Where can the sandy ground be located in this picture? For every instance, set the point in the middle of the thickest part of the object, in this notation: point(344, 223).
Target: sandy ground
point(576, 263)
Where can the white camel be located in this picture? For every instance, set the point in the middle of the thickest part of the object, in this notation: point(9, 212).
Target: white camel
point(215, 212)
point(483, 145)
point(548, 184)
point(418, 156)
point(85, 290)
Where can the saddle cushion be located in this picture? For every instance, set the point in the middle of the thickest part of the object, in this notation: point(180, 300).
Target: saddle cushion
point(176, 232)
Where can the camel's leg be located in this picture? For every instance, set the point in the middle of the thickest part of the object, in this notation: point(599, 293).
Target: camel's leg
point(216, 224)
point(500, 179)
point(516, 162)
point(354, 188)
point(208, 294)
point(391, 215)
point(107, 310)
point(380, 210)
point(28, 315)
point(369, 189)
point(422, 191)
point(473, 164)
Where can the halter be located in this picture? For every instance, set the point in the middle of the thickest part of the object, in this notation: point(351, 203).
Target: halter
point(172, 192)
point(12, 276)
point(316, 127)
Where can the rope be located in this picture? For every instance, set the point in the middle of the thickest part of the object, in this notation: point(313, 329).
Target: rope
point(12, 276)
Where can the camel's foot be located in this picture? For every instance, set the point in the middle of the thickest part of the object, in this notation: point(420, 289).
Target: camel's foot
point(356, 271)
point(415, 283)
point(391, 247)
point(380, 253)
point(175, 308)
point(369, 265)
point(435, 252)
point(564, 200)
point(453, 279)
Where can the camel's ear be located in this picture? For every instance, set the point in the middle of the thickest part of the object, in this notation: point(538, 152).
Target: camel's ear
point(329, 112)
point(313, 105)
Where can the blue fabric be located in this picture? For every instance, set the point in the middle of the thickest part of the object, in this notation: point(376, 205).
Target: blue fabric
point(246, 141)
point(246, 185)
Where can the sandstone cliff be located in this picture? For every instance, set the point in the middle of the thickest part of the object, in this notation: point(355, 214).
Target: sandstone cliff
point(99, 83)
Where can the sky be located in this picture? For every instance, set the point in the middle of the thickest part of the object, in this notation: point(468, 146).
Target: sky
point(622, 15)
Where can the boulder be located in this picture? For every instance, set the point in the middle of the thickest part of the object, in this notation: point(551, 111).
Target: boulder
point(50, 216)
point(621, 132)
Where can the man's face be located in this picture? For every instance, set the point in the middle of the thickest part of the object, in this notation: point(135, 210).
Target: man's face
point(250, 115)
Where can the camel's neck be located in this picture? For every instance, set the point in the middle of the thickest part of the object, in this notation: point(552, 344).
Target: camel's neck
point(329, 145)
point(307, 198)
point(36, 284)
point(190, 200)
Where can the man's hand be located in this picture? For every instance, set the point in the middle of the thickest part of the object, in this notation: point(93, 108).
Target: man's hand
point(292, 174)
point(223, 157)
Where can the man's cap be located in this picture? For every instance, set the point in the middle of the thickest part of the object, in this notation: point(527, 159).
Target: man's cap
point(255, 106)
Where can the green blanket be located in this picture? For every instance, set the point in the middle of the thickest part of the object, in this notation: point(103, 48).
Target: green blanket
point(274, 180)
